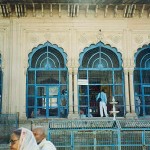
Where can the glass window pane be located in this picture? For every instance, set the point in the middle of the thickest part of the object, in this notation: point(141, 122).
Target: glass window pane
point(53, 112)
point(136, 76)
point(43, 102)
point(40, 102)
point(83, 90)
point(31, 77)
point(47, 77)
point(120, 100)
point(137, 88)
point(30, 113)
point(63, 77)
point(94, 77)
point(31, 90)
point(63, 90)
point(53, 90)
point(37, 54)
point(31, 101)
point(41, 91)
point(100, 77)
point(83, 100)
point(64, 96)
point(82, 74)
point(118, 89)
point(118, 77)
point(53, 102)
point(146, 76)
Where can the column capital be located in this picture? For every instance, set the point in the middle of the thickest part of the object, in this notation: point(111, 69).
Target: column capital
point(131, 70)
point(70, 70)
point(75, 70)
point(126, 71)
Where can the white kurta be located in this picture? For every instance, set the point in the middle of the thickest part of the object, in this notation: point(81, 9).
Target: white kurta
point(46, 145)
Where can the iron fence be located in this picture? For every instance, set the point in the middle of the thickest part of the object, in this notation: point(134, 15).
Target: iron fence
point(100, 134)
point(8, 122)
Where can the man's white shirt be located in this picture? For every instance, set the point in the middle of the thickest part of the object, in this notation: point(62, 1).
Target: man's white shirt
point(46, 145)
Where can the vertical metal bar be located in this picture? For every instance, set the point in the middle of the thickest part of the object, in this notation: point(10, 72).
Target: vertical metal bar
point(95, 142)
point(143, 137)
point(72, 140)
point(119, 139)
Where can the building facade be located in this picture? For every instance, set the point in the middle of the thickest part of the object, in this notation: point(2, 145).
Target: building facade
point(56, 57)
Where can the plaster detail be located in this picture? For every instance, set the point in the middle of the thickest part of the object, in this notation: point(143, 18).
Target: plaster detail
point(85, 38)
point(139, 39)
point(18, 38)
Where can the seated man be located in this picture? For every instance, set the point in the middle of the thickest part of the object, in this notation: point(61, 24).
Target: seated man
point(39, 134)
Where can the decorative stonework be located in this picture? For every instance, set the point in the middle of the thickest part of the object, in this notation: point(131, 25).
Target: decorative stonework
point(34, 38)
point(75, 63)
point(99, 36)
point(138, 39)
point(115, 38)
point(83, 38)
point(47, 36)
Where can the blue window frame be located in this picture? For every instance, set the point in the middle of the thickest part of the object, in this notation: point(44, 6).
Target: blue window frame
point(142, 80)
point(47, 82)
point(101, 66)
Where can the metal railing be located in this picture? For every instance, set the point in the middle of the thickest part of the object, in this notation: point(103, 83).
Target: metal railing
point(100, 134)
point(8, 122)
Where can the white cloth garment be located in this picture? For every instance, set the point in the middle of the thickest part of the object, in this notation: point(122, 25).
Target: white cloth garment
point(102, 106)
point(137, 104)
point(102, 103)
point(46, 145)
point(27, 140)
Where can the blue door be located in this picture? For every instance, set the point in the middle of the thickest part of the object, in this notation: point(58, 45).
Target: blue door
point(146, 100)
point(142, 79)
point(47, 101)
point(47, 82)
point(101, 66)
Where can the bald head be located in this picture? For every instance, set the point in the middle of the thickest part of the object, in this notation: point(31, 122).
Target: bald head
point(39, 133)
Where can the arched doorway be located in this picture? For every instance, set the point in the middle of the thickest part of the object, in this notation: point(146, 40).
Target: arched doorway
point(100, 68)
point(47, 82)
point(142, 81)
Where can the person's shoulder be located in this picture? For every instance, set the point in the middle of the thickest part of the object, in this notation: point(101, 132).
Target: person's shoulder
point(48, 145)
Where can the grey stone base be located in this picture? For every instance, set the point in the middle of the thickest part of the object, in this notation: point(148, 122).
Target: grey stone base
point(131, 116)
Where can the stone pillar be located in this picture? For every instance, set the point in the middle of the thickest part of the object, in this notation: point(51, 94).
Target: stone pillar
point(132, 114)
point(127, 91)
point(131, 91)
point(70, 94)
point(76, 93)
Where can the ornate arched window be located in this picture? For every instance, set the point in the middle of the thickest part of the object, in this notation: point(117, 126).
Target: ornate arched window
point(142, 81)
point(47, 82)
point(100, 68)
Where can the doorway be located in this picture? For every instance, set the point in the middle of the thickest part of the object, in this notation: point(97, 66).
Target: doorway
point(93, 92)
point(47, 100)
point(145, 100)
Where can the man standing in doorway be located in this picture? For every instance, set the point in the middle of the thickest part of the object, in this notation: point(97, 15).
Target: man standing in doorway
point(102, 103)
